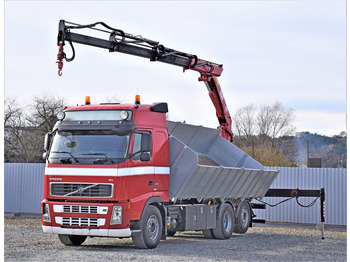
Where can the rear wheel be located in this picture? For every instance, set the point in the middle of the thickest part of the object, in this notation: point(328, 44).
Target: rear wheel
point(208, 233)
point(224, 223)
point(72, 240)
point(171, 233)
point(244, 216)
point(151, 229)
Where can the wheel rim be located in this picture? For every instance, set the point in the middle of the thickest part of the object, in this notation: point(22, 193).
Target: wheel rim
point(227, 220)
point(244, 216)
point(152, 227)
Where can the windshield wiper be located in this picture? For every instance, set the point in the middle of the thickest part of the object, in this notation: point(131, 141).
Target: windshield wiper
point(65, 152)
point(99, 154)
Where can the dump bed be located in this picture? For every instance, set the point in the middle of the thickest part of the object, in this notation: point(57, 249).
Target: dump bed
point(204, 165)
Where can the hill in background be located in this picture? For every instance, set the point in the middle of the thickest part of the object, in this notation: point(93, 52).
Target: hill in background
point(331, 150)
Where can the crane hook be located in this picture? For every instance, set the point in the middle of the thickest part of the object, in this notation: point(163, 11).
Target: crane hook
point(60, 57)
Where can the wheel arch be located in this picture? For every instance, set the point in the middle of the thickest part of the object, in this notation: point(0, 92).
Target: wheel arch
point(227, 201)
point(155, 201)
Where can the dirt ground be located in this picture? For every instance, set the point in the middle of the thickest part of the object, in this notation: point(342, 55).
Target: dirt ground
point(25, 241)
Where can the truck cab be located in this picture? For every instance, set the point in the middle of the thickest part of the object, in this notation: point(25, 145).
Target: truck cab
point(105, 164)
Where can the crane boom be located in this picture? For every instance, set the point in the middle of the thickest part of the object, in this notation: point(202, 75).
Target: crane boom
point(122, 42)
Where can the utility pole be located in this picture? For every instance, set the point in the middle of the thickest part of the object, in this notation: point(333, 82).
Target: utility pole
point(308, 153)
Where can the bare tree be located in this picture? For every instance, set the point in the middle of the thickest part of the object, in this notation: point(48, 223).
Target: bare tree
point(276, 120)
point(25, 129)
point(244, 121)
point(114, 99)
point(261, 133)
point(244, 128)
point(13, 120)
point(11, 111)
point(43, 111)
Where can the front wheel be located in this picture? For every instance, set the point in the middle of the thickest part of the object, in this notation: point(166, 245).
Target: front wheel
point(151, 229)
point(71, 240)
point(224, 223)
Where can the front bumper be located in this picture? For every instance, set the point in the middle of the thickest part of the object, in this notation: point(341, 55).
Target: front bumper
point(86, 219)
point(125, 232)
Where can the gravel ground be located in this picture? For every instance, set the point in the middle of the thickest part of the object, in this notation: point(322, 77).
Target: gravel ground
point(25, 241)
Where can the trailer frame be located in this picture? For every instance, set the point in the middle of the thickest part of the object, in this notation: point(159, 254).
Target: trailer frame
point(290, 194)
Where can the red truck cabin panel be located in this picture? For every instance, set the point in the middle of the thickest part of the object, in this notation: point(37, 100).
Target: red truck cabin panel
point(95, 164)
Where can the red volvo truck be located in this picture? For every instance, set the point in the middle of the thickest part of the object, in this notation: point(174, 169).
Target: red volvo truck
point(123, 170)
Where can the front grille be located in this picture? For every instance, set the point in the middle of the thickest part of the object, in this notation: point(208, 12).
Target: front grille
point(78, 221)
point(80, 209)
point(81, 190)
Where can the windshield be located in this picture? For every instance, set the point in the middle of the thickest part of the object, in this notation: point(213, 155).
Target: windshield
point(89, 147)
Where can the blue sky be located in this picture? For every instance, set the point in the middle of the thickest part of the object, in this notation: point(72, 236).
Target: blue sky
point(288, 51)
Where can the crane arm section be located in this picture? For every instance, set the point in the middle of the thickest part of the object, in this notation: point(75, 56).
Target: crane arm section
point(122, 42)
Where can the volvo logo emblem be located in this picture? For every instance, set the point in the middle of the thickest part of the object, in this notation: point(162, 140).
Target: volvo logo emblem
point(80, 189)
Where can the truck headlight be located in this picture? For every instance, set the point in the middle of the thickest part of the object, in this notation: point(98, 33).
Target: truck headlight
point(46, 213)
point(117, 214)
point(124, 115)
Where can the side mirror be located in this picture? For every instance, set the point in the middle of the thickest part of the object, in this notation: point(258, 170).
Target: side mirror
point(146, 142)
point(145, 156)
point(47, 141)
point(71, 144)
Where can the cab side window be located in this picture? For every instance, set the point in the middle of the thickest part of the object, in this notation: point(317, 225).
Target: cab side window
point(137, 146)
point(139, 140)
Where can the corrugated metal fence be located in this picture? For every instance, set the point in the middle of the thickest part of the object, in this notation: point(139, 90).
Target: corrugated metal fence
point(332, 179)
point(23, 188)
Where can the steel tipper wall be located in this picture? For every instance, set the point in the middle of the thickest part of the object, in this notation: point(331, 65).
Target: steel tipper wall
point(23, 187)
point(332, 179)
point(203, 165)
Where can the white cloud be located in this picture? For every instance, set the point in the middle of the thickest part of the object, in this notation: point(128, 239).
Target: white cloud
point(321, 122)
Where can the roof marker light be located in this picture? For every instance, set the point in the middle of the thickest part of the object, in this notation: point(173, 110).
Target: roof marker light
point(87, 100)
point(137, 100)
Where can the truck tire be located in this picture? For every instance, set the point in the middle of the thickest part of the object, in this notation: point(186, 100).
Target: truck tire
point(151, 229)
point(244, 216)
point(208, 233)
point(171, 233)
point(71, 240)
point(224, 223)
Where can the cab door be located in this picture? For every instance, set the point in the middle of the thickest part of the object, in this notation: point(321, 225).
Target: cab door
point(141, 164)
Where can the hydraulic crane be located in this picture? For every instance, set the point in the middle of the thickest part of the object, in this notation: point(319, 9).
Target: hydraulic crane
point(122, 42)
